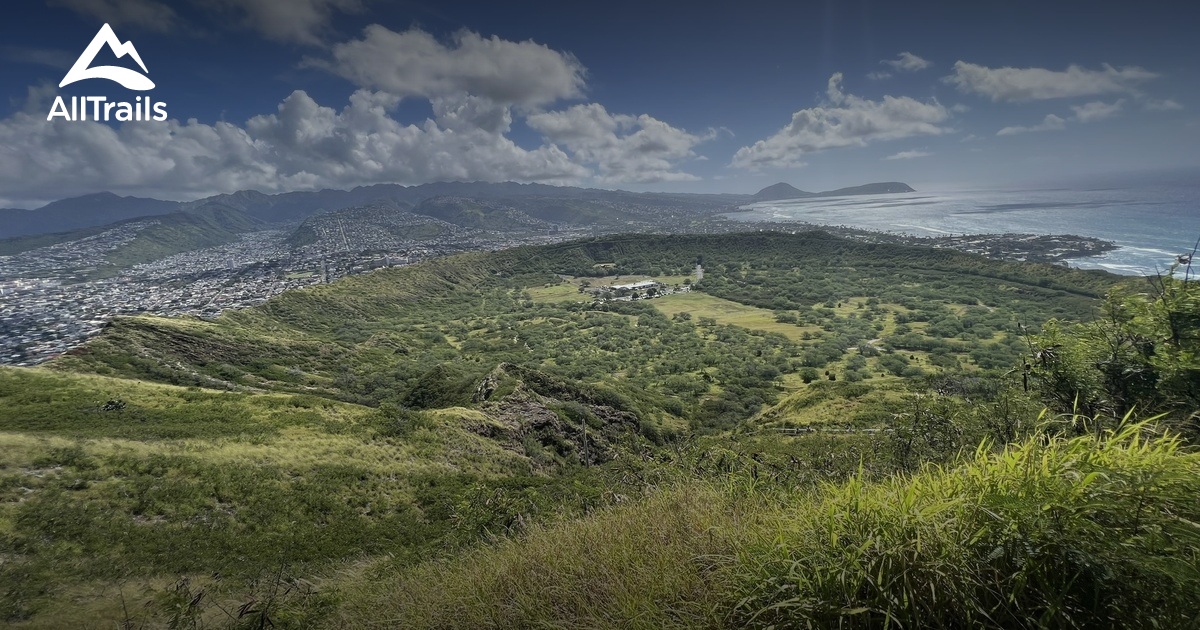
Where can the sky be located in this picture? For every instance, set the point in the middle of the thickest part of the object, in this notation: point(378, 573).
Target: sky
point(282, 95)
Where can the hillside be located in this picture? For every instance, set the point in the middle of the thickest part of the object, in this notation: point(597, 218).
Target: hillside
point(474, 213)
point(780, 191)
point(386, 226)
point(118, 246)
point(79, 212)
point(350, 450)
point(880, 188)
point(554, 202)
point(183, 231)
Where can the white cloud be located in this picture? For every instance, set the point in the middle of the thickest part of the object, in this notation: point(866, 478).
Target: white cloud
point(291, 21)
point(38, 97)
point(623, 148)
point(1167, 105)
point(414, 63)
point(879, 76)
point(1096, 111)
point(844, 120)
point(147, 14)
point(908, 155)
point(302, 145)
point(1050, 123)
point(1033, 84)
point(907, 62)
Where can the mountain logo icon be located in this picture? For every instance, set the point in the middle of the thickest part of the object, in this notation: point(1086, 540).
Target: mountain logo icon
point(83, 69)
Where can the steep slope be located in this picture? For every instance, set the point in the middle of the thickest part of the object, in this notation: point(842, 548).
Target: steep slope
point(105, 479)
point(143, 239)
point(80, 212)
point(183, 231)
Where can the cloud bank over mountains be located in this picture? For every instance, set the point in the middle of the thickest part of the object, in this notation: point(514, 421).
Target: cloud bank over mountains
point(471, 105)
point(475, 86)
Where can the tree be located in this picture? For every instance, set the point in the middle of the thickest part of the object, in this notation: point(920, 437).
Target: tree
point(1141, 355)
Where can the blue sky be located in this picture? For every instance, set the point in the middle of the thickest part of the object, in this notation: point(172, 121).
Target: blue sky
point(282, 95)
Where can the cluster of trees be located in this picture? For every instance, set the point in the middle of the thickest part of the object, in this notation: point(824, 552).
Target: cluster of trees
point(1141, 356)
point(423, 337)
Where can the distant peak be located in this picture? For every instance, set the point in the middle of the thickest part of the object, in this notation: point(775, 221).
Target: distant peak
point(781, 190)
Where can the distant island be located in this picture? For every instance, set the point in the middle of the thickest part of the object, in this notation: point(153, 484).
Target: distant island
point(783, 190)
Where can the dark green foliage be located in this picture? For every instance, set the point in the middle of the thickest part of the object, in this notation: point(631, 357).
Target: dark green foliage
point(1140, 354)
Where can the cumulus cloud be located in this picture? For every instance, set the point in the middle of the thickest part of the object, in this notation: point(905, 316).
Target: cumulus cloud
point(908, 155)
point(414, 63)
point(844, 120)
point(289, 21)
point(302, 145)
point(907, 62)
point(148, 14)
point(1034, 84)
point(1050, 123)
point(1096, 111)
point(622, 148)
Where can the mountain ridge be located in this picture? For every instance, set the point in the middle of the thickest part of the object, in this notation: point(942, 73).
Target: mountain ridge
point(783, 190)
point(104, 208)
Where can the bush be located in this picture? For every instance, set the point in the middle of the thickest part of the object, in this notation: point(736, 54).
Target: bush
point(1053, 532)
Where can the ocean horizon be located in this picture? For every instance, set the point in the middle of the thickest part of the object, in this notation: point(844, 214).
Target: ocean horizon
point(1152, 221)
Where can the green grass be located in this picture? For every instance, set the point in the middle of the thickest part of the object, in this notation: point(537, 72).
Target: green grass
point(1050, 532)
point(728, 312)
point(561, 292)
point(824, 403)
point(345, 432)
point(642, 566)
point(107, 482)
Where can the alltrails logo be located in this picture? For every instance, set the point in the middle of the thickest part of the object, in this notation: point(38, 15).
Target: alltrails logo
point(100, 108)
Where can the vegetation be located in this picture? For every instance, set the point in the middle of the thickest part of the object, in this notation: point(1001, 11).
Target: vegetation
point(819, 433)
point(154, 237)
point(1049, 532)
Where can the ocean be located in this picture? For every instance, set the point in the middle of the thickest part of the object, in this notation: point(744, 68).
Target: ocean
point(1152, 220)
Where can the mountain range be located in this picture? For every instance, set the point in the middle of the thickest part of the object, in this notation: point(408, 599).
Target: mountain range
point(550, 203)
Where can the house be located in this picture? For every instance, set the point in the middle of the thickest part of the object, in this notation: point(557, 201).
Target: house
point(637, 286)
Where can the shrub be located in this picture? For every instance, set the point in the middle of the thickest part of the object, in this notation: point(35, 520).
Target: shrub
point(1052, 532)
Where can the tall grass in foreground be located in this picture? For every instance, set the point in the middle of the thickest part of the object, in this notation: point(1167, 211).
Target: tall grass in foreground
point(646, 565)
point(1052, 532)
point(1085, 532)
